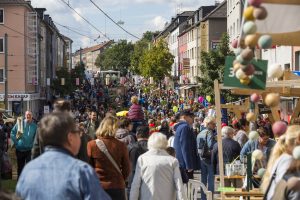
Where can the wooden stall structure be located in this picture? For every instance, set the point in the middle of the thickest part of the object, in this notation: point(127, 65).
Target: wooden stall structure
point(288, 87)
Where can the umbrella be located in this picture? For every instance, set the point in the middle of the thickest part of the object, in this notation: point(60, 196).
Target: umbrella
point(122, 113)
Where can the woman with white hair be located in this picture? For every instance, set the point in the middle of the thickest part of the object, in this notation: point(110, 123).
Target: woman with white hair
point(157, 174)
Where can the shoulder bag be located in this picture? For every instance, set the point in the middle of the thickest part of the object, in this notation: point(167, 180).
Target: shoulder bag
point(100, 144)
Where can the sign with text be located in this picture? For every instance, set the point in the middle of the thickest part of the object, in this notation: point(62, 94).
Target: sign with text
point(46, 110)
point(258, 80)
point(263, 109)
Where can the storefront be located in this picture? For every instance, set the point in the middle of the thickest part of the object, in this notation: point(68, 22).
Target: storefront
point(19, 103)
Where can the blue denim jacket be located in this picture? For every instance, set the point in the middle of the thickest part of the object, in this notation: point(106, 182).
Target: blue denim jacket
point(55, 175)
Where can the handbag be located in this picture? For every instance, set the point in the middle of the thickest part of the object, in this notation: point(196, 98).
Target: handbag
point(100, 144)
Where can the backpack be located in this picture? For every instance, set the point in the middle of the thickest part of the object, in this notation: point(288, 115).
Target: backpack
point(205, 150)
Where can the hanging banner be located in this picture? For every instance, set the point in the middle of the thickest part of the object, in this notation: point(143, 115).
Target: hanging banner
point(62, 81)
point(48, 81)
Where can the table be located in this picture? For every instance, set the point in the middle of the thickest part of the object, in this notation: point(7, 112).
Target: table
point(253, 194)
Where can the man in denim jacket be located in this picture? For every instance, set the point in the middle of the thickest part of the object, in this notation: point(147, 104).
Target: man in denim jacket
point(56, 174)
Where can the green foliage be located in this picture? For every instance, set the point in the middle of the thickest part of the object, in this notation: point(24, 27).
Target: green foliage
point(156, 62)
point(116, 57)
point(140, 47)
point(70, 79)
point(212, 67)
point(78, 72)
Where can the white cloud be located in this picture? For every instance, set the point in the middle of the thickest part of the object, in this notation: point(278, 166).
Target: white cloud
point(85, 42)
point(158, 22)
point(76, 16)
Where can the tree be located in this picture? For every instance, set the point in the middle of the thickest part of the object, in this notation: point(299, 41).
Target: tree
point(70, 79)
point(116, 57)
point(156, 62)
point(212, 67)
point(78, 72)
point(65, 89)
point(140, 47)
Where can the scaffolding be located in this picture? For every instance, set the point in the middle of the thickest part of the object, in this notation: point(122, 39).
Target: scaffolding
point(32, 48)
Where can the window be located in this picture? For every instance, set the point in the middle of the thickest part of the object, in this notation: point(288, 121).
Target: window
point(297, 60)
point(1, 16)
point(1, 45)
point(1, 75)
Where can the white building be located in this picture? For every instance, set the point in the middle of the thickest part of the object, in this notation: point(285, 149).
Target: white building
point(234, 18)
point(173, 47)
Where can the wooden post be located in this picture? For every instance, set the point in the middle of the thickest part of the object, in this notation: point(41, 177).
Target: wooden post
point(219, 139)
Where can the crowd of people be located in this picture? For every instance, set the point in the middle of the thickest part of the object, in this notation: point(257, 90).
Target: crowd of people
point(82, 150)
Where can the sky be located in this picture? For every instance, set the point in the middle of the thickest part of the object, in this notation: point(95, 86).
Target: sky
point(138, 16)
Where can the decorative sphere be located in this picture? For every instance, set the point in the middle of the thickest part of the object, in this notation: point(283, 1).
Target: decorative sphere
point(247, 54)
point(272, 99)
point(241, 60)
point(260, 13)
point(248, 13)
point(251, 40)
point(275, 71)
point(255, 3)
point(249, 28)
point(234, 43)
point(255, 97)
point(265, 42)
point(253, 135)
point(257, 154)
point(279, 128)
point(261, 172)
point(242, 43)
point(238, 51)
point(296, 153)
point(250, 117)
point(236, 66)
point(248, 69)
point(240, 74)
point(245, 81)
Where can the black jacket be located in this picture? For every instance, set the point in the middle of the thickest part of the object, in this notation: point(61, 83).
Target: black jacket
point(135, 150)
point(231, 150)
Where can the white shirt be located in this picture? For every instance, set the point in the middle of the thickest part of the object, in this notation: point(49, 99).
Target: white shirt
point(281, 165)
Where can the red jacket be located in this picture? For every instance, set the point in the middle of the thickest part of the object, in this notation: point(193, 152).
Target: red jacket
point(136, 113)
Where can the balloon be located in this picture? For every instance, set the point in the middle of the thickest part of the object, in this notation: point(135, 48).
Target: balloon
point(208, 98)
point(200, 99)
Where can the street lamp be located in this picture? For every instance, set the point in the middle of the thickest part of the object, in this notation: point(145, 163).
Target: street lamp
point(107, 79)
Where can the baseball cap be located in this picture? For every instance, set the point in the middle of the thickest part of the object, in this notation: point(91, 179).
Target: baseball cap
point(187, 113)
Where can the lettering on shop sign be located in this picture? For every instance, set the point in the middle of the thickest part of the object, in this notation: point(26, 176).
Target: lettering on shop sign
point(258, 80)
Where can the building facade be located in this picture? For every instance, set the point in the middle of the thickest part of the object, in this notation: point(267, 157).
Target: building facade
point(234, 18)
point(89, 55)
point(35, 50)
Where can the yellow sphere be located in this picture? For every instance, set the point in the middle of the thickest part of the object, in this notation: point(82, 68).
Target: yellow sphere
point(248, 13)
point(272, 99)
point(250, 117)
point(236, 66)
point(245, 81)
point(251, 40)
